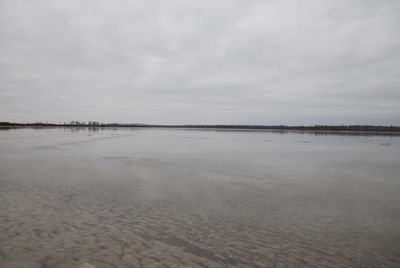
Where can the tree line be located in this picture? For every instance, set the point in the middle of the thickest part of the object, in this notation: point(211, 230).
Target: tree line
point(74, 123)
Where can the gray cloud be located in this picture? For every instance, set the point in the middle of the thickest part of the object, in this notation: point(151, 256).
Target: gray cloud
point(246, 62)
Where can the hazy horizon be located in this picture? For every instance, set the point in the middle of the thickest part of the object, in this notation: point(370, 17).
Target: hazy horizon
point(94, 123)
point(185, 62)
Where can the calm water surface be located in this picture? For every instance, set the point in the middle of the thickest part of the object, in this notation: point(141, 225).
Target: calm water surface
point(197, 198)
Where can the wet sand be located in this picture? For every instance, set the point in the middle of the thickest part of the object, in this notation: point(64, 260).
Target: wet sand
point(176, 198)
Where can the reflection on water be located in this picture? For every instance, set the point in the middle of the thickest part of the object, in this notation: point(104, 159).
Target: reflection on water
point(197, 198)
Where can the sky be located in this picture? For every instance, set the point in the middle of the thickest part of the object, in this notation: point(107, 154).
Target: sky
point(201, 62)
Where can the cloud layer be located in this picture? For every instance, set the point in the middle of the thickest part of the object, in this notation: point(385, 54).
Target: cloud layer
point(181, 61)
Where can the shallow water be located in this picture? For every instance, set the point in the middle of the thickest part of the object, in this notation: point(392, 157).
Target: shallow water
point(198, 198)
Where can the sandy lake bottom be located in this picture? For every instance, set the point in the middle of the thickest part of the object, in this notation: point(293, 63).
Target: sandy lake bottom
point(197, 198)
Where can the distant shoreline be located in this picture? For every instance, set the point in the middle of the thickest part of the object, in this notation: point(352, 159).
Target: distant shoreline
point(339, 129)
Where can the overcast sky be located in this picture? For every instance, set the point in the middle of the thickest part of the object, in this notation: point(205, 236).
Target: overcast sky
point(244, 62)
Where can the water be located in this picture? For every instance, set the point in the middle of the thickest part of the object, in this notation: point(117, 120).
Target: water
point(198, 198)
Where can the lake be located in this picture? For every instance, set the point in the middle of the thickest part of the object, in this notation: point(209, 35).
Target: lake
point(197, 198)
